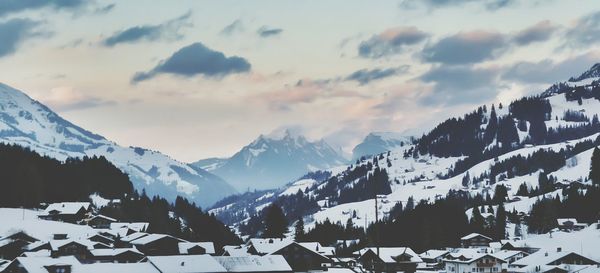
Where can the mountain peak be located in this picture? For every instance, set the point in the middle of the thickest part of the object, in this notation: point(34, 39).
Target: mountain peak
point(593, 72)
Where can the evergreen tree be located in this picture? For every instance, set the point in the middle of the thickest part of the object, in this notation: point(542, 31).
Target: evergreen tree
point(500, 222)
point(523, 190)
point(466, 180)
point(492, 127)
point(275, 223)
point(477, 221)
point(299, 232)
point(595, 167)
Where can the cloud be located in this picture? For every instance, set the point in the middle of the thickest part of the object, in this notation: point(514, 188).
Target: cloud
point(168, 31)
point(14, 32)
point(197, 59)
point(390, 42)
point(491, 5)
point(364, 76)
point(466, 48)
point(539, 32)
point(460, 84)
point(585, 32)
point(105, 9)
point(234, 27)
point(67, 99)
point(14, 6)
point(265, 31)
point(549, 71)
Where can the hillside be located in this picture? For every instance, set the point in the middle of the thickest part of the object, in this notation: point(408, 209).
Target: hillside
point(553, 134)
point(28, 123)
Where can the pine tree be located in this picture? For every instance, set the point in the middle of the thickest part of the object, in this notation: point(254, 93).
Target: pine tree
point(299, 232)
point(500, 222)
point(523, 190)
point(466, 180)
point(595, 167)
point(275, 223)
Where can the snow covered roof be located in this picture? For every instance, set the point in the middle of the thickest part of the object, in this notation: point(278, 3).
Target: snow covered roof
point(134, 236)
point(109, 252)
point(562, 221)
point(238, 251)
point(268, 245)
point(468, 255)
point(100, 216)
point(318, 248)
point(137, 226)
point(66, 207)
point(153, 237)
point(114, 267)
point(38, 264)
point(543, 257)
point(269, 263)
point(389, 254)
point(433, 253)
point(39, 253)
point(209, 247)
point(187, 264)
point(473, 235)
point(56, 244)
point(506, 254)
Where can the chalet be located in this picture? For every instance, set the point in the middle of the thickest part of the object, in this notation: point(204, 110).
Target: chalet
point(116, 255)
point(544, 258)
point(135, 227)
point(570, 224)
point(510, 256)
point(255, 264)
point(157, 244)
point(100, 221)
point(60, 248)
point(42, 264)
point(468, 261)
point(301, 258)
point(196, 248)
point(10, 249)
point(518, 245)
point(265, 246)
point(433, 258)
point(326, 251)
point(187, 263)
point(70, 212)
point(390, 259)
point(475, 240)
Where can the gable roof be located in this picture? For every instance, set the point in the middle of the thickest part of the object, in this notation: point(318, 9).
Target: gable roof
point(433, 253)
point(544, 257)
point(66, 207)
point(111, 252)
point(57, 244)
point(115, 267)
point(152, 238)
point(268, 245)
point(507, 254)
point(137, 226)
point(209, 247)
point(300, 245)
point(38, 264)
point(388, 254)
point(100, 216)
point(269, 263)
point(473, 235)
point(467, 255)
point(187, 264)
point(238, 251)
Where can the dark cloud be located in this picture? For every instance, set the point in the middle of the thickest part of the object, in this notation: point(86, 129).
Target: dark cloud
point(549, 71)
point(196, 59)
point(585, 32)
point(364, 76)
point(539, 32)
point(466, 48)
point(265, 31)
point(491, 5)
point(460, 84)
point(105, 9)
point(13, 6)
point(391, 41)
point(235, 26)
point(168, 30)
point(14, 32)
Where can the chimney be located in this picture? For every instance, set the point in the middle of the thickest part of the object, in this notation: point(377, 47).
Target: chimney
point(558, 249)
point(546, 254)
point(182, 263)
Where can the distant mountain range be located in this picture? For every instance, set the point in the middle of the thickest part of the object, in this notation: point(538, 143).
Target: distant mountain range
point(28, 123)
point(379, 142)
point(272, 161)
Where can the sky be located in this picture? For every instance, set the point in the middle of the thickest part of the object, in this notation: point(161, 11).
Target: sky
point(197, 79)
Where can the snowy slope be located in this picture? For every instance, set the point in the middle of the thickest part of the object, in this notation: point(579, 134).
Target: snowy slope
point(272, 161)
point(379, 142)
point(28, 123)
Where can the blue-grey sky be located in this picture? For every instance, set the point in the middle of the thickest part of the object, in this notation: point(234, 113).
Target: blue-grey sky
point(196, 79)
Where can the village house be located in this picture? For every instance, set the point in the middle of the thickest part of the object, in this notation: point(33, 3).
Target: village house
point(157, 244)
point(196, 248)
point(475, 240)
point(510, 256)
point(13, 245)
point(237, 251)
point(518, 245)
point(255, 264)
point(186, 263)
point(432, 259)
point(264, 246)
point(100, 221)
point(42, 264)
point(570, 224)
point(60, 248)
point(116, 255)
point(545, 259)
point(390, 259)
point(472, 261)
point(301, 258)
point(70, 212)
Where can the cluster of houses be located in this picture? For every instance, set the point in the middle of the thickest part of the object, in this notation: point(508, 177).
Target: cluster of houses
point(115, 246)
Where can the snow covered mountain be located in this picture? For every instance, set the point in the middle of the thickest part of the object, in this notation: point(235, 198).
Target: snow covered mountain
point(553, 133)
point(272, 161)
point(379, 142)
point(28, 123)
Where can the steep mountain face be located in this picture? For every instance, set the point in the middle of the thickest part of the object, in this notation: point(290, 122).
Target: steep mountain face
point(379, 142)
point(28, 123)
point(272, 161)
point(551, 136)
